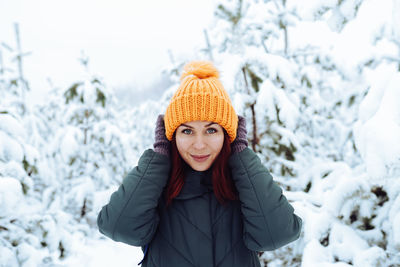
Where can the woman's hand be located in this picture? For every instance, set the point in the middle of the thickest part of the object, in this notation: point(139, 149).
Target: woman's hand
point(161, 145)
point(240, 143)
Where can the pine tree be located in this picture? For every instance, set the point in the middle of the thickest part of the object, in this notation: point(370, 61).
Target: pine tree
point(87, 146)
point(301, 101)
point(25, 240)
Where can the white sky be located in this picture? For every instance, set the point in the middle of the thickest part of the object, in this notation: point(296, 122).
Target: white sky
point(126, 40)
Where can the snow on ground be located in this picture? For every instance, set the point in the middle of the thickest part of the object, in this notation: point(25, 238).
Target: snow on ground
point(328, 117)
point(103, 252)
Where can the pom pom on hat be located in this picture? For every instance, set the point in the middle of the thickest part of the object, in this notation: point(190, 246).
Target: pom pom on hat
point(200, 69)
point(200, 96)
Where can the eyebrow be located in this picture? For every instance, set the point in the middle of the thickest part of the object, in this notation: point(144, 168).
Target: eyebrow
point(192, 127)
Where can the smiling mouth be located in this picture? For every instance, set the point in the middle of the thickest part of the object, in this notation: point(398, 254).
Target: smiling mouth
point(200, 158)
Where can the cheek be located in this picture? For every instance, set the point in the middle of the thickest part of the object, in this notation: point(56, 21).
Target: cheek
point(218, 143)
point(181, 145)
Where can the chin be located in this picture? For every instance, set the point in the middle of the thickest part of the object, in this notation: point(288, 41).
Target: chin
point(199, 167)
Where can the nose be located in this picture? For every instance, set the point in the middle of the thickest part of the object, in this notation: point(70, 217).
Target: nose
point(199, 142)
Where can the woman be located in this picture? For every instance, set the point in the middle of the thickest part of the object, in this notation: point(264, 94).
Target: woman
point(201, 197)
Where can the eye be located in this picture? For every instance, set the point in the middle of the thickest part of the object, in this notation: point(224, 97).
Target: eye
point(212, 130)
point(186, 131)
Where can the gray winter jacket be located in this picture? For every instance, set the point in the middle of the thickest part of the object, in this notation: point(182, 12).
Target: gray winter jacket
point(196, 230)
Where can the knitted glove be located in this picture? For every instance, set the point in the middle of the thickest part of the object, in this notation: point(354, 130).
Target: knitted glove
point(161, 145)
point(240, 143)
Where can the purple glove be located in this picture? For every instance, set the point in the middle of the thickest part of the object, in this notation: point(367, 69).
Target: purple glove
point(161, 145)
point(240, 143)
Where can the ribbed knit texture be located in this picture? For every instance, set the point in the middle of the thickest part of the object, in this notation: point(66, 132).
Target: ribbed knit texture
point(200, 96)
point(240, 142)
point(161, 144)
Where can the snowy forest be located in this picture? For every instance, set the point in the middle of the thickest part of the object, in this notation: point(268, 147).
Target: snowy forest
point(319, 85)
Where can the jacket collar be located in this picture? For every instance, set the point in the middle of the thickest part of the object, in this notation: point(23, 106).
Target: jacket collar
point(196, 183)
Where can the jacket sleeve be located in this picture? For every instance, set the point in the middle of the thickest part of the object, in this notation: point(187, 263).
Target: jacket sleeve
point(131, 215)
point(268, 218)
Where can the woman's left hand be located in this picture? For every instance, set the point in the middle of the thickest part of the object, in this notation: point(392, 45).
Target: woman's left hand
point(240, 142)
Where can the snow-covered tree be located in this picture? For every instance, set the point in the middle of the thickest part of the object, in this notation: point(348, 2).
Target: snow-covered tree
point(299, 72)
point(318, 82)
point(87, 149)
point(24, 238)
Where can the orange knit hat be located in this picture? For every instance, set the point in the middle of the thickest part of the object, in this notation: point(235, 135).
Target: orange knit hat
point(200, 96)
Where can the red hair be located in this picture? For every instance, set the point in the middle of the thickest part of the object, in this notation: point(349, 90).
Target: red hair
point(223, 186)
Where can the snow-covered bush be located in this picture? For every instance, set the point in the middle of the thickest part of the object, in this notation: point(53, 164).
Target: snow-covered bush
point(317, 82)
point(23, 238)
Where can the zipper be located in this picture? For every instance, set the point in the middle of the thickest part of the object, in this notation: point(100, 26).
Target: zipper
point(144, 255)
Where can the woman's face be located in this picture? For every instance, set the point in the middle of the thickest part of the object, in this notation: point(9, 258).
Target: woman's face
point(199, 143)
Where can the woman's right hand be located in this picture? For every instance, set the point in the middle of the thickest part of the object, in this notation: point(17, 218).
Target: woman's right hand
point(161, 145)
